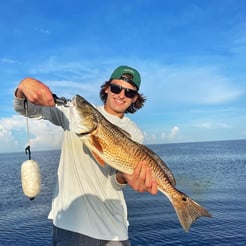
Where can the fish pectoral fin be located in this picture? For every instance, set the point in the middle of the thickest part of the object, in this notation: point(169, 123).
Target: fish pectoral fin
point(98, 159)
point(97, 145)
point(94, 141)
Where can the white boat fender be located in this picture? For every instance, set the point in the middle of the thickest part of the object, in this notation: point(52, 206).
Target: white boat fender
point(30, 178)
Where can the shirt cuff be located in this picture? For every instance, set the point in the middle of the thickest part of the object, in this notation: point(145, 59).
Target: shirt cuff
point(116, 185)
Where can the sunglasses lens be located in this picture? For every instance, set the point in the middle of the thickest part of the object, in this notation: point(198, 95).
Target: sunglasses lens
point(116, 89)
point(130, 93)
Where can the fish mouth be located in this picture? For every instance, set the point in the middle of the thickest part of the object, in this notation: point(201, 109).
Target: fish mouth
point(83, 116)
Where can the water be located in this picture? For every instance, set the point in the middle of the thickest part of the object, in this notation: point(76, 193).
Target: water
point(212, 173)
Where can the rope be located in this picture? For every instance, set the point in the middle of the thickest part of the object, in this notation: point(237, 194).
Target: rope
point(28, 148)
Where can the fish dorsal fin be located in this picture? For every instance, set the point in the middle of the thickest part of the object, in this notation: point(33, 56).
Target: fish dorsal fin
point(161, 163)
point(98, 146)
point(122, 131)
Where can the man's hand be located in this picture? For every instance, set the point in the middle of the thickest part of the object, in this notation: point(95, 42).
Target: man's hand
point(35, 92)
point(141, 180)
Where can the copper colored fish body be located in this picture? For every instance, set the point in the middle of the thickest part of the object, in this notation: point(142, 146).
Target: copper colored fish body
point(110, 144)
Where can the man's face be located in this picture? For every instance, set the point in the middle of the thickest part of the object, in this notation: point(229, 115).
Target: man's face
point(117, 104)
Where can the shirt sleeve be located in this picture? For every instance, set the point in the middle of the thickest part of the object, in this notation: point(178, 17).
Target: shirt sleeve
point(116, 185)
point(56, 115)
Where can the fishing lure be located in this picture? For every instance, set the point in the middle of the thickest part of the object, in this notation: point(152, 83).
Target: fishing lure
point(30, 178)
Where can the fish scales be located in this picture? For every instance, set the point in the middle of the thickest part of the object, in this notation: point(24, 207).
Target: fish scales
point(123, 155)
point(127, 154)
point(112, 145)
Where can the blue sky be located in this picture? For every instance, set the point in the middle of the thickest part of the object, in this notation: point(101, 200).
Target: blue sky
point(191, 55)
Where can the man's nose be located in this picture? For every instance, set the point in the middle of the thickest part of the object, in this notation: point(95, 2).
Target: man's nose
point(122, 93)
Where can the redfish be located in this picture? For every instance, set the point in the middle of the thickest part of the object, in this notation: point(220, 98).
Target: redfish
point(112, 145)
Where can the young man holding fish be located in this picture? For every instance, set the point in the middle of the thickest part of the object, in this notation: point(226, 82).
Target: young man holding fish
point(88, 206)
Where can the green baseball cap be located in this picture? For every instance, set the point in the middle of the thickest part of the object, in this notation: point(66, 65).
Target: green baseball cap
point(119, 71)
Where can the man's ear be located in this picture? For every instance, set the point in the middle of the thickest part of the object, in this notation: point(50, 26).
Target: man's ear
point(135, 98)
point(106, 89)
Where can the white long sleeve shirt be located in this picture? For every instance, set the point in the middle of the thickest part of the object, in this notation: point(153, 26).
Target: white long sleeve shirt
point(87, 198)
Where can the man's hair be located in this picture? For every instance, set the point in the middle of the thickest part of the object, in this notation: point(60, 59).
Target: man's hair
point(133, 107)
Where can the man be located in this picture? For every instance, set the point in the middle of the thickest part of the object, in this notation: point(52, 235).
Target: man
point(88, 206)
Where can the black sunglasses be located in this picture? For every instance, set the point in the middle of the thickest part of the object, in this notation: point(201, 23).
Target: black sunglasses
point(116, 89)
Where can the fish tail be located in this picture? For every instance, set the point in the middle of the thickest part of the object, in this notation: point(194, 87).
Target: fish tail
point(188, 211)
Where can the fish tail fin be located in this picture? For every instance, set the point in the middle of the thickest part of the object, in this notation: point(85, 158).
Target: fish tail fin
point(188, 211)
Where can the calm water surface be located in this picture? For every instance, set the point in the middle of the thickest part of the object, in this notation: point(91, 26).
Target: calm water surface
point(212, 173)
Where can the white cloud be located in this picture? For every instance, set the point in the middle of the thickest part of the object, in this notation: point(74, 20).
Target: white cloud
point(45, 31)
point(212, 125)
point(163, 135)
point(156, 137)
point(166, 84)
point(8, 142)
point(150, 137)
point(8, 60)
point(173, 133)
point(45, 135)
point(72, 70)
point(70, 88)
point(14, 137)
point(153, 137)
point(199, 85)
point(73, 77)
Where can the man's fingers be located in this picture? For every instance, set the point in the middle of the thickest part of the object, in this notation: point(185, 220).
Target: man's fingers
point(142, 172)
point(154, 188)
point(137, 171)
point(36, 92)
point(141, 180)
point(148, 178)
